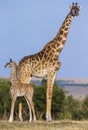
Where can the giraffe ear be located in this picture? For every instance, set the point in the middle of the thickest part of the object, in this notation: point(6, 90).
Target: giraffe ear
point(70, 7)
point(80, 7)
point(10, 60)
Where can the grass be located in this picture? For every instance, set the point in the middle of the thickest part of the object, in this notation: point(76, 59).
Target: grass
point(40, 125)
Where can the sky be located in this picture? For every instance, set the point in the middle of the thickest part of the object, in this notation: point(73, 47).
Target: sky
point(26, 26)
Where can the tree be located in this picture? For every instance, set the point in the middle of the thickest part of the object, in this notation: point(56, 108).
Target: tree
point(73, 108)
point(40, 101)
point(5, 100)
point(58, 103)
point(85, 108)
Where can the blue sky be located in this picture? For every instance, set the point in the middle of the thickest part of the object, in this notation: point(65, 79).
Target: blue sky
point(27, 25)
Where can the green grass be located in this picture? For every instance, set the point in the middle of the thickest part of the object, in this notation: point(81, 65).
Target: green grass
point(40, 125)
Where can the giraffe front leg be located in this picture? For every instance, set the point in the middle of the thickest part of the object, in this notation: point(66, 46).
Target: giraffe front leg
point(12, 109)
point(50, 82)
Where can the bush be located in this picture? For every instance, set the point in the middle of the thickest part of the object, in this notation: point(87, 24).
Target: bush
point(5, 100)
point(73, 108)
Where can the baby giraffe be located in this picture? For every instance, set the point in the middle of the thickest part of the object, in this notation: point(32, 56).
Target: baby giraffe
point(18, 90)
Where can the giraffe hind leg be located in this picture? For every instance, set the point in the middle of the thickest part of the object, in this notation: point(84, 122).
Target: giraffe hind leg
point(20, 111)
point(33, 110)
point(29, 106)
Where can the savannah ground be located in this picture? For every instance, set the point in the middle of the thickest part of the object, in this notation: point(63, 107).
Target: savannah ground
point(43, 125)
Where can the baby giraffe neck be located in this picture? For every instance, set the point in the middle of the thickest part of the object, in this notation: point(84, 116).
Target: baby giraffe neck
point(13, 77)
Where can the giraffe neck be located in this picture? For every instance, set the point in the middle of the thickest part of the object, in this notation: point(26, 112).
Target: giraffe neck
point(63, 31)
point(13, 77)
point(57, 44)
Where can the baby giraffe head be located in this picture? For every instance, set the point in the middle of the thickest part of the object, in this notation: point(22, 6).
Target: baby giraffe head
point(75, 8)
point(10, 64)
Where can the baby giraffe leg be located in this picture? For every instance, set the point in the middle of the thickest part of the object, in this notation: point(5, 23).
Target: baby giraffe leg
point(33, 110)
point(12, 109)
point(30, 119)
point(20, 111)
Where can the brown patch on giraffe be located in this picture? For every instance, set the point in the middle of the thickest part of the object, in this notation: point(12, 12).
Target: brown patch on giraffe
point(48, 58)
point(40, 55)
point(37, 65)
point(45, 55)
point(70, 20)
point(53, 50)
point(66, 29)
point(49, 48)
point(63, 42)
point(67, 24)
point(51, 60)
point(63, 26)
point(59, 63)
point(65, 34)
point(37, 58)
point(54, 45)
point(60, 38)
point(61, 32)
point(53, 63)
point(59, 49)
point(50, 53)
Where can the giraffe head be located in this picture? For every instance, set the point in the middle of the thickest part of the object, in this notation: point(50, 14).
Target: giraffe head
point(10, 64)
point(74, 9)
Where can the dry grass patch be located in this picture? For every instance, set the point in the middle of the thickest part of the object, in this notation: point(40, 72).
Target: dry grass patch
point(40, 125)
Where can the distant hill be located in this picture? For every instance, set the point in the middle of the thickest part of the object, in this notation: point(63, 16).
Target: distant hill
point(78, 88)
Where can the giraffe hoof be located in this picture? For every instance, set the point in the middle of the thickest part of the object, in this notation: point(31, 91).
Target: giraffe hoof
point(21, 120)
point(10, 120)
point(49, 120)
point(30, 120)
point(34, 119)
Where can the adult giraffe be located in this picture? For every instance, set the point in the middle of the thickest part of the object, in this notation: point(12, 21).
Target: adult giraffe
point(45, 63)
